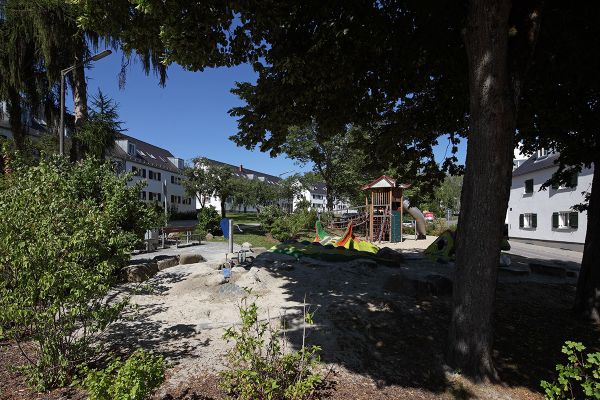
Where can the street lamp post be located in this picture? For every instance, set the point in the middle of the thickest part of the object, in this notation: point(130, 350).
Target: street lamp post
point(63, 74)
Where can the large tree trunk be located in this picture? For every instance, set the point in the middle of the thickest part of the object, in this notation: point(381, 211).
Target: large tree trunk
point(587, 297)
point(80, 109)
point(15, 115)
point(223, 210)
point(485, 190)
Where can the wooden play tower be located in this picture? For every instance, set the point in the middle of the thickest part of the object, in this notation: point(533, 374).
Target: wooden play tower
point(385, 209)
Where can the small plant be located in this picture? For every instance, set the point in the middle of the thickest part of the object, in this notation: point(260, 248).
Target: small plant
point(134, 379)
point(259, 366)
point(209, 221)
point(579, 378)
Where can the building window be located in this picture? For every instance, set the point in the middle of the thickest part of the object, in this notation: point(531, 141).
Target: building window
point(158, 196)
point(529, 186)
point(570, 184)
point(143, 195)
point(542, 153)
point(528, 221)
point(172, 198)
point(150, 196)
point(565, 220)
point(131, 149)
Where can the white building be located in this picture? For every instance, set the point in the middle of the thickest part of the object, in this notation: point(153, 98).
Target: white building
point(546, 215)
point(33, 126)
point(242, 172)
point(316, 196)
point(158, 168)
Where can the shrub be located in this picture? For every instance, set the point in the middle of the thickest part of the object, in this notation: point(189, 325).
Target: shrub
point(258, 366)
point(269, 215)
point(134, 379)
point(436, 227)
point(209, 221)
point(66, 230)
point(579, 378)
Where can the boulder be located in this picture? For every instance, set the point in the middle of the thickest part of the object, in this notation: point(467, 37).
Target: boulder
point(152, 267)
point(247, 245)
point(439, 285)
point(238, 270)
point(547, 269)
point(215, 265)
point(390, 255)
point(164, 262)
point(190, 258)
point(362, 262)
point(215, 279)
point(136, 273)
point(258, 250)
point(209, 236)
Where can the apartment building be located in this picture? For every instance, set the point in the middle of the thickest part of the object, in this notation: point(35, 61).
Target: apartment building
point(546, 215)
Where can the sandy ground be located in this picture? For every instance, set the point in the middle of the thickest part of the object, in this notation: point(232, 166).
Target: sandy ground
point(183, 311)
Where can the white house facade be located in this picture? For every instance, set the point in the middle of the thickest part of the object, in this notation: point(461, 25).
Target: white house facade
point(158, 168)
point(546, 214)
point(316, 196)
point(245, 173)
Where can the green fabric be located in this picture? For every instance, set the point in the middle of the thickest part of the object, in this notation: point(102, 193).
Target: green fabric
point(325, 253)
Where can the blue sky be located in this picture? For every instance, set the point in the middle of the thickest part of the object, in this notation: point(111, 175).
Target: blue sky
point(189, 115)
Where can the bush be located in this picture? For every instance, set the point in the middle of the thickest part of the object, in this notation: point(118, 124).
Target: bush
point(579, 378)
point(66, 230)
point(436, 227)
point(269, 215)
point(258, 366)
point(209, 221)
point(184, 215)
point(134, 379)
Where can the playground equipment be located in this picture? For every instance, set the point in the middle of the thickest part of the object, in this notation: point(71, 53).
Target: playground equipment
point(380, 219)
point(348, 240)
point(419, 219)
point(443, 249)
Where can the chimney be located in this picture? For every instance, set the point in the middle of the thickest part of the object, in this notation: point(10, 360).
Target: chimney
point(241, 168)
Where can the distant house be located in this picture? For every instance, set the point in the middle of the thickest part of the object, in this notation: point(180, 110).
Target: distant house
point(33, 125)
point(316, 196)
point(546, 215)
point(242, 172)
point(158, 168)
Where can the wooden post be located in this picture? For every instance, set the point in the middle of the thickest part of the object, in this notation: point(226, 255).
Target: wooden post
point(401, 216)
point(371, 217)
point(390, 215)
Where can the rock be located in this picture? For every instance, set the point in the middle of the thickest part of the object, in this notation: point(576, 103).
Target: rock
point(545, 269)
point(390, 255)
point(254, 270)
point(209, 236)
point(215, 266)
point(258, 250)
point(164, 262)
point(173, 235)
point(232, 256)
point(362, 262)
point(190, 258)
point(136, 273)
point(247, 245)
point(215, 279)
point(238, 270)
point(152, 268)
point(439, 285)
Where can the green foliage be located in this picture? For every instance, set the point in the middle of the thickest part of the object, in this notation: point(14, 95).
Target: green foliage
point(259, 367)
point(209, 221)
point(579, 378)
point(66, 230)
point(269, 215)
point(283, 226)
point(97, 135)
point(436, 227)
point(134, 379)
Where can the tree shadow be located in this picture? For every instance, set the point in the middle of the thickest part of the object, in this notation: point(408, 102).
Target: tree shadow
point(375, 322)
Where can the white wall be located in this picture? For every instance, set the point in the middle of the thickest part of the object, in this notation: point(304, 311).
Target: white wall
point(155, 186)
point(544, 204)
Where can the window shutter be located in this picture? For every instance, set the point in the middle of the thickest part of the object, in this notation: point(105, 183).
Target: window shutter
point(573, 180)
point(521, 219)
point(534, 220)
point(555, 220)
point(574, 219)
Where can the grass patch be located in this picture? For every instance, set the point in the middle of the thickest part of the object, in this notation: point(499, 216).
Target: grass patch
point(253, 235)
point(243, 218)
